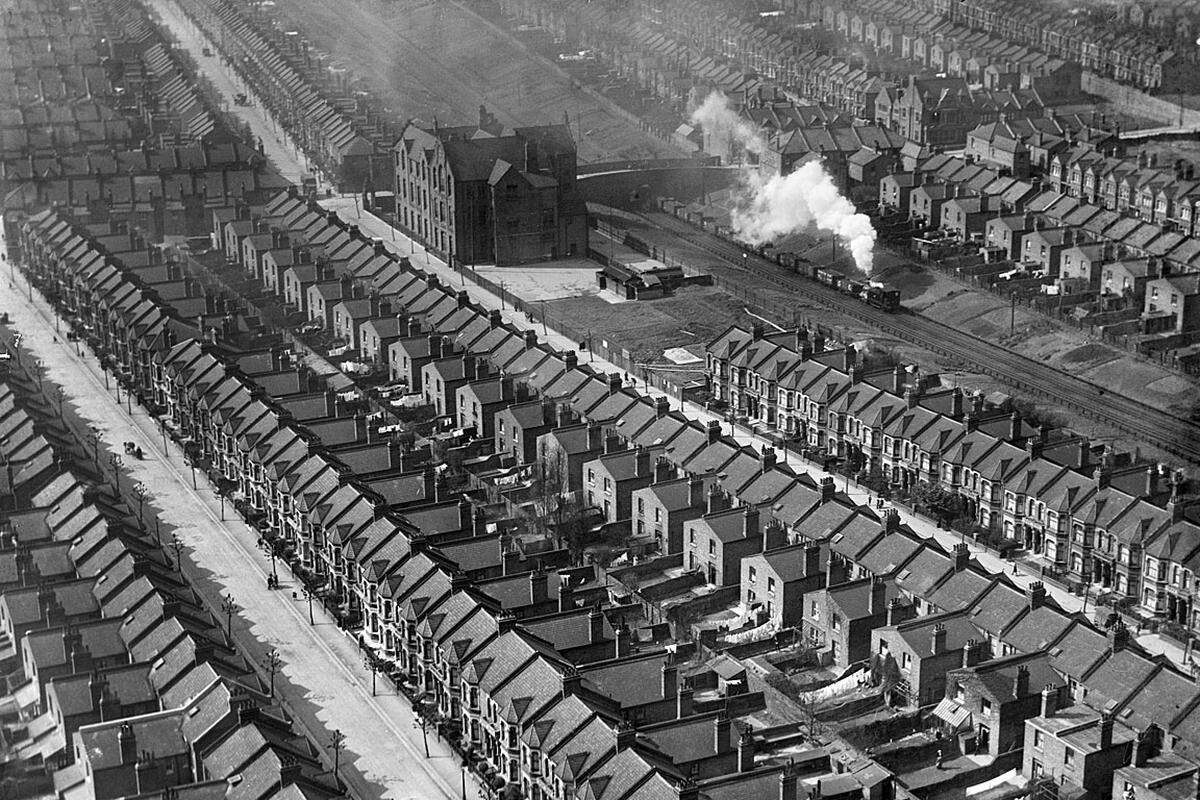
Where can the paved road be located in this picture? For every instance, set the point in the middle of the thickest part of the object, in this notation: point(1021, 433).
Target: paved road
point(284, 154)
point(322, 666)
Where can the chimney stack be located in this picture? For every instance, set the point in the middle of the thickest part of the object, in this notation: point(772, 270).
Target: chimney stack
point(670, 677)
point(1036, 592)
point(878, 599)
point(1049, 700)
point(721, 730)
point(127, 741)
point(746, 749)
point(1021, 682)
point(596, 624)
point(1106, 731)
point(683, 703)
point(937, 644)
point(787, 784)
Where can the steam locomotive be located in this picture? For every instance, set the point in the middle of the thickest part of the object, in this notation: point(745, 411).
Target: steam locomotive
point(883, 296)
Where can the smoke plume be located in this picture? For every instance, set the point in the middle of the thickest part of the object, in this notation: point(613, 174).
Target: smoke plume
point(783, 204)
point(720, 122)
point(768, 208)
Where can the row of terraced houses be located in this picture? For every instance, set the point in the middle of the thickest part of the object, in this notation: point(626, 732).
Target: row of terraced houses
point(540, 666)
point(1104, 517)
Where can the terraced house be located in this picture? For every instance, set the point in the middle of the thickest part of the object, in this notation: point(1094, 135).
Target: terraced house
point(1096, 513)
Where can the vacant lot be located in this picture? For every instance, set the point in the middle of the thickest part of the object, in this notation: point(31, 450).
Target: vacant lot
point(437, 60)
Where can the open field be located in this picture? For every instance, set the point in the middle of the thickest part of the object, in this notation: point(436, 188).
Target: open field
point(437, 60)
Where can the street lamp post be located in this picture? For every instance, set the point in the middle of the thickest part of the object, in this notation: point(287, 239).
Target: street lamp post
point(140, 492)
point(116, 462)
point(94, 438)
point(221, 498)
point(273, 663)
point(228, 606)
point(177, 546)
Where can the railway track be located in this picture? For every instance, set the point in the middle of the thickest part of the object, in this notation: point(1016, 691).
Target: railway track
point(1170, 433)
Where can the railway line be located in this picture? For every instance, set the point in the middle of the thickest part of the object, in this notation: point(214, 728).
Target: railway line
point(1170, 433)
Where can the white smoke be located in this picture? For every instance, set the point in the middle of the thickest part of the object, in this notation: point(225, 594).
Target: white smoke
point(770, 208)
point(783, 204)
point(722, 123)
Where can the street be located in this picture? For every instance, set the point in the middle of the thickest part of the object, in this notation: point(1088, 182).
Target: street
point(321, 666)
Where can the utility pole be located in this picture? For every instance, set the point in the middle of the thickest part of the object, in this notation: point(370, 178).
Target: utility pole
point(273, 662)
point(1012, 314)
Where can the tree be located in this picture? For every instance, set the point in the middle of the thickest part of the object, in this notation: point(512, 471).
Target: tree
point(559, 512)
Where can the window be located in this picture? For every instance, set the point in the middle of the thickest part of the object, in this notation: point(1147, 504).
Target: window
point(813, 610)
point(712, 547)
point(1068, 757)
point(1037, 738)
point(753, 574)
point(905, 660)
point(641, 507)
point(770, 585)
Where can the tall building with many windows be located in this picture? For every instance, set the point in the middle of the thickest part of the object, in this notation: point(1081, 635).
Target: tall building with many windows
point(487, 194)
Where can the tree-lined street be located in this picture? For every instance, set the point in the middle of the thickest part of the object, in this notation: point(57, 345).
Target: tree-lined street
point(319, 669)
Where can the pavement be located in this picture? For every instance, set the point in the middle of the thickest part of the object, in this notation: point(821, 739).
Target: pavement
point(322, 668)
point(287, 158)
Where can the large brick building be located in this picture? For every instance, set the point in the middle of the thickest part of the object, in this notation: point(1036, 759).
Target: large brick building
point(487, 194)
